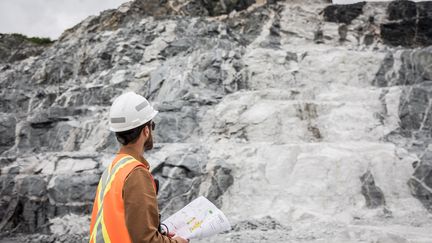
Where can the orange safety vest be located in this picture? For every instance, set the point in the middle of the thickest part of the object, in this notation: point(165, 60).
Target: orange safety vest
point(108, 217)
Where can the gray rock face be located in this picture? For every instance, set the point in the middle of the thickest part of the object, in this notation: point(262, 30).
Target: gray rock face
point(221, 180)
point(411, 24)
point(180, 175)
point(414, 75)
point(270, 112)
point(215, 8)
point(57, 185)
point(64, 189)
point(398, 10)
point(15, 47)
point(372, 193)
point(24, 204)
point(343, 13)
point(421, 184)
point(49, 119)
point(415, 116)
point(415, 68)
point(7, 129)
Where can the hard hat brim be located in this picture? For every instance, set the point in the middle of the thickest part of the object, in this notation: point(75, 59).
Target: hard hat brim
point(113, 129)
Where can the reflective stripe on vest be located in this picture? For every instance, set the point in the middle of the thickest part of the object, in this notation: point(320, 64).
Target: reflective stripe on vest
point(99, 232)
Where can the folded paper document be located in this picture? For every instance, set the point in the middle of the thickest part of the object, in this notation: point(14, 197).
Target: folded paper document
point(198, 219)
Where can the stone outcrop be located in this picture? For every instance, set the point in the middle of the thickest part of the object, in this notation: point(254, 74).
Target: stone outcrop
point(272, 111)
point(56, 185)
point(16, 47)
point(180, 175)
point(410, 70)
point(373, 194)
point(421, 183)
point(410, 24)
point(407, 23)
point(343, 13)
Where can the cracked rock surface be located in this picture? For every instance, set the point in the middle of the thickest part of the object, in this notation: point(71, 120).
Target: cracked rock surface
point(303, 121)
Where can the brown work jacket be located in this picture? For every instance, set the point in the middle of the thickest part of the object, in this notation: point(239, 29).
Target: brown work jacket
point(140, 204)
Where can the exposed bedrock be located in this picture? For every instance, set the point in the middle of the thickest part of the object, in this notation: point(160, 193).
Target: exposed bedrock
point(410, 24)
point(343, 13)
point(301, 120)
point(373, 194)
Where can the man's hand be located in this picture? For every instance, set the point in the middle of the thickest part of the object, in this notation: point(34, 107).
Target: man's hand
point(180, 240)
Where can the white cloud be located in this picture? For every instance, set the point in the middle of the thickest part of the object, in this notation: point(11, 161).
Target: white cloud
point(48, 18)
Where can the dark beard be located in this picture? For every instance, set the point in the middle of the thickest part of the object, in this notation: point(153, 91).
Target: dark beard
point(148, 145)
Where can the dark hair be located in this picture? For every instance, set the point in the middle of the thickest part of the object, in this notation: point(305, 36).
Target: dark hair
point(130, 136)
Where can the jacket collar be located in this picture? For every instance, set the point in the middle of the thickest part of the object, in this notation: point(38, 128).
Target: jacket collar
point(133, 153)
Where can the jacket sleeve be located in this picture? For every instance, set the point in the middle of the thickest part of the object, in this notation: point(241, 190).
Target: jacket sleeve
point(141, 208)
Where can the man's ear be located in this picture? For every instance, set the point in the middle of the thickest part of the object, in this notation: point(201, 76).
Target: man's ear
point(146, 131)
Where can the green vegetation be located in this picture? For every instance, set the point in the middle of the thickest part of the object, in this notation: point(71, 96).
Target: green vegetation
point(36, 40)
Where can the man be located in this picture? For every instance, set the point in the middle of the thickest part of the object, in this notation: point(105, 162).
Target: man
point(125, 207)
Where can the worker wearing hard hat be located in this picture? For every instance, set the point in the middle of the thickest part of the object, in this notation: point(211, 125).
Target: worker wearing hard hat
point(125, 207)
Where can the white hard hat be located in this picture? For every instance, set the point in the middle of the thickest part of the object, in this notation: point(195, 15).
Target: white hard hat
point(128, 111)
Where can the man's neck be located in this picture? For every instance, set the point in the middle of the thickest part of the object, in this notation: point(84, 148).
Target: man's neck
point(135, 152)
point(136, 149)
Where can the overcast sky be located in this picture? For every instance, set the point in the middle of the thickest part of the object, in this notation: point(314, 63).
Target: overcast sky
point(48, 18)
